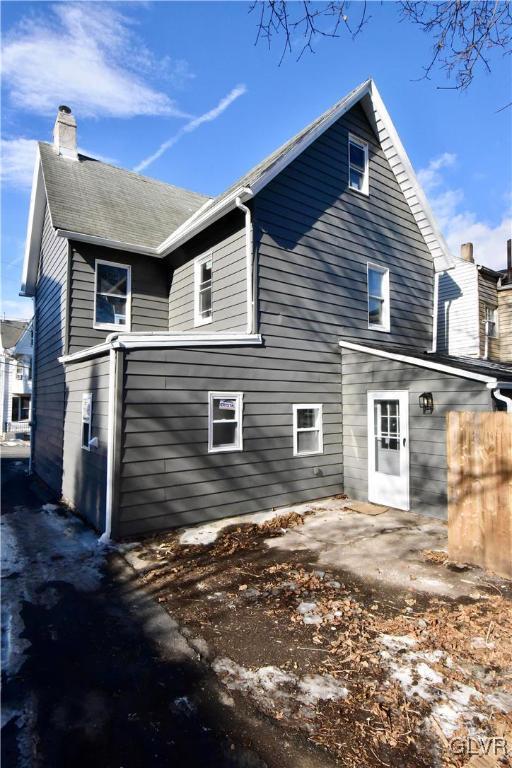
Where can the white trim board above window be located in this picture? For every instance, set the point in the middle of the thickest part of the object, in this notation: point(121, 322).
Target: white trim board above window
point(225, 412)
point(112, 295)
point(203, 273)
point(358, 165)
point(378, 297)
point(308, 437)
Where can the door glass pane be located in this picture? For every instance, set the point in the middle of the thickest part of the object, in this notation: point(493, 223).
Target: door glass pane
point(307, 441)
point(387, 437)
point(224, 434)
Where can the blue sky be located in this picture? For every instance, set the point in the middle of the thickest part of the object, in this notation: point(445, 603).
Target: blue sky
point(180, 91)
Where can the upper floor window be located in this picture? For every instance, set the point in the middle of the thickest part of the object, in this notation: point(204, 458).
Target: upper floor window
point(112, 296)
point(378, 297)
point(203, 289)
point(358, 164)
point(491, 324)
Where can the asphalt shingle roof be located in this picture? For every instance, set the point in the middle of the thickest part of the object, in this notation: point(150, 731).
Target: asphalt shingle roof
point(94, 198)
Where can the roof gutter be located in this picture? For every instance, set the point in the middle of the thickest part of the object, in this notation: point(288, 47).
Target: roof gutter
point(106, 242)
point(163, 341)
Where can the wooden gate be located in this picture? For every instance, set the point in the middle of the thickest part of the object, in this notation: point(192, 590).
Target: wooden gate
point(479, 454)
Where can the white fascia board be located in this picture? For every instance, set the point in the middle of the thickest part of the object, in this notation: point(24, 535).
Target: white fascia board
point(199, 221)
point(105, 242)
point(34, 230)
point(430, 365)
point(163, 341)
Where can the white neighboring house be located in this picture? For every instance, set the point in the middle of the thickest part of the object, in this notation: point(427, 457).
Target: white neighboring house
point(474, 309)
point(16, 348)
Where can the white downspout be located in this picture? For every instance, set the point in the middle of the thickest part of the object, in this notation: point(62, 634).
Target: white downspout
point(106, 535)
point(507, 400)
point(248, 263)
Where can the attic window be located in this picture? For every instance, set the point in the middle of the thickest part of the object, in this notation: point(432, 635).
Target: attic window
point(357, 164)
point(112, 296)
point(203, 289)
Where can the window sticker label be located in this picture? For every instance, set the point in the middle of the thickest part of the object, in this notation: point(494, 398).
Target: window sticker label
point(227, 405)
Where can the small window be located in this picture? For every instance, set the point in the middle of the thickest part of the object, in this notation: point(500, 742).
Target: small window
point(20, 410)
point(378, 297)
point(225, 421)
point(19, 371)
point(307, 430)
point(86, 420)
point(358, 165)
point(203, 290)
point(491, 325)
point(112, 296)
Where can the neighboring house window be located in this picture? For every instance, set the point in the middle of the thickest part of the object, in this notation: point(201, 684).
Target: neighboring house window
point(203, 290)
point(19, 371)
point(491, 325)
point(20, 408)
point(86, 420)
point(225, 421)
point(112, 295)
point(378, 297)
point(358, 164)
point(307, 430)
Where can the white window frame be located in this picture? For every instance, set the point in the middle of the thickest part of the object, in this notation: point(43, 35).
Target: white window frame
point(319, 427)
point(386, 323)
point(239, 397)
point(198, 262)
point(113, 326)
point(86, 419)
point(352, 139)
point(494, 310)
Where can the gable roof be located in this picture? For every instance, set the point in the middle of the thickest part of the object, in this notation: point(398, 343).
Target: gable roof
point(131, 212)
point(100, 200)
point(11, 331)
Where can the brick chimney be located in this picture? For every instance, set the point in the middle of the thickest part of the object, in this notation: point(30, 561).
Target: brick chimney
point(64, 134)
point(466, 252)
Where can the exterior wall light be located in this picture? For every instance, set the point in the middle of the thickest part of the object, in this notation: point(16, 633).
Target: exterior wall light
point(427, 402)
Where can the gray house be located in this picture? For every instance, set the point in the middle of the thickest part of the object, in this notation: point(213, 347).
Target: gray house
point(198, 358)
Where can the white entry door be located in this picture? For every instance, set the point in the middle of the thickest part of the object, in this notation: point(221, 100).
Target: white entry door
point(388, 448)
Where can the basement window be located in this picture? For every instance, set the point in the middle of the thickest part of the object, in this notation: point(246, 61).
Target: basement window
point(358, 164)
point(307, 430)
point(378, 297)
point(112, 298)
point(203, 289)
point(225, 421)
point(86, 420)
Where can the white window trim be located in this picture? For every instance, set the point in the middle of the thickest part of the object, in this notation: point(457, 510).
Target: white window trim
point(198, 262)
point(239, 397)
point(366, 181)
point(386, 321)
point(86, 396)
point(113, 326)
point(320, 429)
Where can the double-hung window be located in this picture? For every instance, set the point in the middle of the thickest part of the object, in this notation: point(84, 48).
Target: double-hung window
point(112, 296)
point(378, 297)
point(307, 430)
point(491, 325)
point(358, 164)
point(86, 420)
point(20, 409)
point(225, 421)
point(203, 289)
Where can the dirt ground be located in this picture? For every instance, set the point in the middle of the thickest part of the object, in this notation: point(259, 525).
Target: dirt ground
point(367, 671)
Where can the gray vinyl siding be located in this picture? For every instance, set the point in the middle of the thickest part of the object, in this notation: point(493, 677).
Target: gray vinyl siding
point(149, 302)
point(48, 382)
point(226, 242)
point(85, 472)
point(362, 373)
point(168, 478)
point(316, 236)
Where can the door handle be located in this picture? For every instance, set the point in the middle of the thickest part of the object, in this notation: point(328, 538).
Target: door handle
point(404, 441)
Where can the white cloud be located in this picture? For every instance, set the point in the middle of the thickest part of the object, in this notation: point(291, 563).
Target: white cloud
point(18, 158)
point(458, 222)
point(87, 56)
point(192, 125)
point(18, 309)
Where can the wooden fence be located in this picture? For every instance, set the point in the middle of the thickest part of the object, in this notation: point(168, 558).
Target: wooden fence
point(479, 454)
